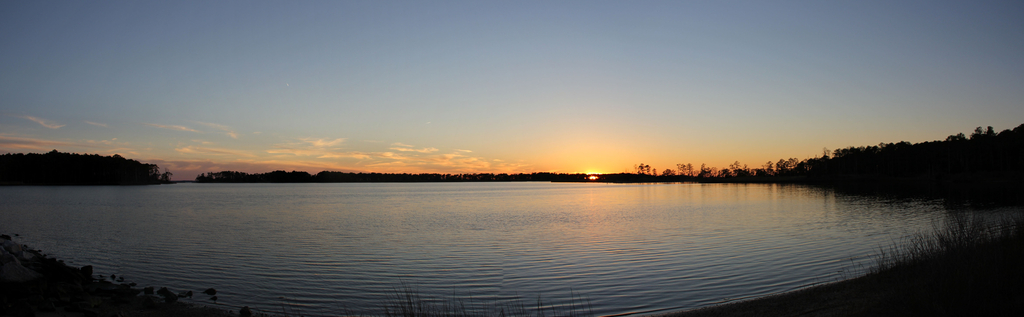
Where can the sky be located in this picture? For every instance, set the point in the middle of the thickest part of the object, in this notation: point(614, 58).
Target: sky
point(499, 87)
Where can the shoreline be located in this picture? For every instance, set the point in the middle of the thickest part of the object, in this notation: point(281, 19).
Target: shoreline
point(33, 284)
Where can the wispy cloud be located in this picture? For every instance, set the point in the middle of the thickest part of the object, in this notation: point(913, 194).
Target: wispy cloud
point(401, 157)
point(321, 143)
point(19, 143)
point(227, 130)
point(97, 124)
point(44, 122)
point(173, 127)
point(110, 142)
point(103, 147)
point(307, 147)
point(211, 151)
point(460, 161)
point(409, 148)
point(423, 150)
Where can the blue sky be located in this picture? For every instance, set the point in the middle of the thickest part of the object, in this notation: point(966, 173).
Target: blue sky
point(499, 87)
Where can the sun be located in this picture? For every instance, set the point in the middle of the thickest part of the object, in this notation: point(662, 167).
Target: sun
point(592, 177)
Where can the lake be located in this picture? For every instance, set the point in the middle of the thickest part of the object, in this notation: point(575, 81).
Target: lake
point(324, 249)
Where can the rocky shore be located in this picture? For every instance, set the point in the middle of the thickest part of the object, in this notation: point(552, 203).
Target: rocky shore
point(32, 284)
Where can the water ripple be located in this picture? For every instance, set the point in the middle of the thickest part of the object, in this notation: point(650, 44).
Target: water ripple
point(321, 249)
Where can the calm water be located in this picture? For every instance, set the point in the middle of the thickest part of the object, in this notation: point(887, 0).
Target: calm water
point(320, 249)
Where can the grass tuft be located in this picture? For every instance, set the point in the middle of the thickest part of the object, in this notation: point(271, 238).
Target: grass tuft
point(407, 301)
point(967, 267)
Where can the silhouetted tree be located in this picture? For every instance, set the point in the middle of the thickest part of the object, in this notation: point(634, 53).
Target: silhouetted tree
point(75, 169)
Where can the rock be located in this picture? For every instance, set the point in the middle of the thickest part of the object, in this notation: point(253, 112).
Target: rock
point(86, 270)
point(210, 291)
point(27, 257)
point(20, 309)
point(15, 273)
point(7, 257)
point(245, 312)
point(47, 307)
point(12, 247)
point(214, 299)
point(148, 302)
point(167, 295)
point(148, 290)
point(57, 271)
point(170, 298)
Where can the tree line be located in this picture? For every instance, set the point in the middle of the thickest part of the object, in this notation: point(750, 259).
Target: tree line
point(343, 177)
point(56, 168)
point(985, 151)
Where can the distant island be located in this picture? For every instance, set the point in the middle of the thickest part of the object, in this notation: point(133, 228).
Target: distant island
point(984, 155)
point(56, 168)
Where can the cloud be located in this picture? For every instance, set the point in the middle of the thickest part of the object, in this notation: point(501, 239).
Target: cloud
point(211, 151)
point(173, 127)
point(423, 150)
point(328, 149)
point(402, 147)
point(355, 155)
point(19, 143)
point(44, 122)
point(402, 158)
point(110, 142)
point(459, 160)
point(97, 124)
point(389, 164)
point(311, 147)
point(321, 143)
point(227, 130)
point(294, 151)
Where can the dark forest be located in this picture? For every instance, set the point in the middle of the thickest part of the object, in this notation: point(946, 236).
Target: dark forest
point(56, 168)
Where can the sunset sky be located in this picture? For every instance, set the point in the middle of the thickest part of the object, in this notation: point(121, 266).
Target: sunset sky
point(482, 86)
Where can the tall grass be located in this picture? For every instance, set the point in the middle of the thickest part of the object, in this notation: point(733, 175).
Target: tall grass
point(967, 267)
point(408, 302)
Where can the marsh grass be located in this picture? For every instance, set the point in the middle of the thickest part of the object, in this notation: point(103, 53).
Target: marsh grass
point(967, 267)
point(406, 301)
